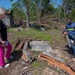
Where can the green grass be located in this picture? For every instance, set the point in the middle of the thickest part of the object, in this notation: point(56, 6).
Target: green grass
point(39, 64)
point(30, 33)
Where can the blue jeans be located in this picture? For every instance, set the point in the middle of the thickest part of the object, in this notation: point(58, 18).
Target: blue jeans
point(72, 37)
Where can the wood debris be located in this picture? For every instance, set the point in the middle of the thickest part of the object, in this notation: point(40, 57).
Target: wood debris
point(71, 64)
point(56, 63)
point(22, 44)
point(16, 44)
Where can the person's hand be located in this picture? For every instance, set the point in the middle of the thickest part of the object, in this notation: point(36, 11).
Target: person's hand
point(65, 33)
point(3, 42)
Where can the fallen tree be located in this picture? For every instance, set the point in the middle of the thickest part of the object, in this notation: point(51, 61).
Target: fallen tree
point(56, 63)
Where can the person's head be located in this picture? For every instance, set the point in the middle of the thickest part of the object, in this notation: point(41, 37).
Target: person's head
point(2, 13)
point(69, 21)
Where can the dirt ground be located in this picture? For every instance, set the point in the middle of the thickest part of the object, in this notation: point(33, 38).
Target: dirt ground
point(39, 67)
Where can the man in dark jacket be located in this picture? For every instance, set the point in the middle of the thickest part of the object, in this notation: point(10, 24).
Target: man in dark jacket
point(70, 32)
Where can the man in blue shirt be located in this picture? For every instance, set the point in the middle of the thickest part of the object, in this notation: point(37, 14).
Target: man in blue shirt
point(70, 33)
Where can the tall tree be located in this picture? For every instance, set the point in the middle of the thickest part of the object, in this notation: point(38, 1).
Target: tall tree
point(68, 6)
point(17, 11)
point(46, 7)
point(33, 8)
point(25, 5)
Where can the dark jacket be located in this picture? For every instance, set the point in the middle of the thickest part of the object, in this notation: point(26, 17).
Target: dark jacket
point(71, 26)
point(3, 31)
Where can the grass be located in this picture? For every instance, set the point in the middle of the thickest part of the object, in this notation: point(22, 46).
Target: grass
point(50, 36)
point(34, 34)
point(30, 33)
point(39, 64)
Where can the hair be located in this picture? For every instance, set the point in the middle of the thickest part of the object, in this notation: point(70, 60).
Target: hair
point(3, 31)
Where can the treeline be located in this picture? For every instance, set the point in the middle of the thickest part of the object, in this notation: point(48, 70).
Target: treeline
point(67, 9)
point(32, 9)
point(35, 9)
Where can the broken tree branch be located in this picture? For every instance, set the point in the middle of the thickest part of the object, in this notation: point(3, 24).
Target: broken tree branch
point(56, 63)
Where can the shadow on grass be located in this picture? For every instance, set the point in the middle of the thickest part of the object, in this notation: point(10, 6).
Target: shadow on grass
point(16, 55)
point(38, 27)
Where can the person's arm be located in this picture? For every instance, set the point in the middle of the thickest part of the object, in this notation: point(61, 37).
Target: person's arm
point(2, 42)
point(1, 34)
point(65, 32)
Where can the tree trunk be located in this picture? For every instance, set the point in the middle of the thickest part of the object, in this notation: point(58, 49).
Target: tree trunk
point(27, 21)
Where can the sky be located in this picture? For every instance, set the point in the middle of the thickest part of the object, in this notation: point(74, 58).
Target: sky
point(7, 4)
point(56, 2)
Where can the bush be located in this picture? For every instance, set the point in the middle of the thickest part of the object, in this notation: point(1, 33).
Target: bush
point(72, 14)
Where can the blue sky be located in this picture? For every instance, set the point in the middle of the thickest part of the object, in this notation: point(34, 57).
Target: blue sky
point(56, 2)
point(7, 4)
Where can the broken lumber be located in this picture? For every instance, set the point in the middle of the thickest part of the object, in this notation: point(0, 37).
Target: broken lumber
point(56, 63)
point(16, 44)
point(25, 45)
point(71, 64)
point(26, 55)
point(20, 44)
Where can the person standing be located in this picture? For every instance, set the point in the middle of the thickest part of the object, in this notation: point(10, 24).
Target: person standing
point(5, 46)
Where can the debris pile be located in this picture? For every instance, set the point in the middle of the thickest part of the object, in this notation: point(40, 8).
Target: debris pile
point(54, 62)
point(22, 44)
point(47, 54)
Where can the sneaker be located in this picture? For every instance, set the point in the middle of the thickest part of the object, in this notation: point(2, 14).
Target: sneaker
point(7, 65)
